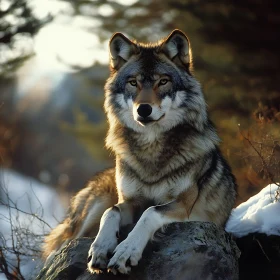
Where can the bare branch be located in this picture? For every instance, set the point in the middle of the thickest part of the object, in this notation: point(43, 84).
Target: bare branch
point(22, 243)
point(265, 152)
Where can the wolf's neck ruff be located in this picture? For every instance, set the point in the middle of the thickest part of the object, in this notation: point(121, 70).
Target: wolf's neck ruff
point(172, 152)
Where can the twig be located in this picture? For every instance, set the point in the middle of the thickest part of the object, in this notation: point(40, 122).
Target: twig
point(262, 248)
point(24, 212)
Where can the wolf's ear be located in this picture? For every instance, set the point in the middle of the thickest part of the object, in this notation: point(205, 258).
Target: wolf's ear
point(121, 49)
point(177, 48)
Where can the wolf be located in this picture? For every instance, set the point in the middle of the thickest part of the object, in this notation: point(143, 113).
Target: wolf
point(169, 167)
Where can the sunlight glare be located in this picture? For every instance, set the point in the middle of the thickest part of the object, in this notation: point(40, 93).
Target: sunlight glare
point(66, 41)
point(43, 8)
point(124, 2)
point(105, 10)
point(59, 46)
point(4, 5)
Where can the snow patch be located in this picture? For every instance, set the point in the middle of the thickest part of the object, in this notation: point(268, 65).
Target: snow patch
point(26, 196)
point(260, 213)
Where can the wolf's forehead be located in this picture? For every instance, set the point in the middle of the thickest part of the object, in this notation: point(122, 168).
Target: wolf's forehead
point(142, 77)
point(154, 71)
point(152, 67)
point(140, 71)
point(147, 66)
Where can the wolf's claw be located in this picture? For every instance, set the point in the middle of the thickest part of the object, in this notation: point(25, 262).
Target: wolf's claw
point(125, 255)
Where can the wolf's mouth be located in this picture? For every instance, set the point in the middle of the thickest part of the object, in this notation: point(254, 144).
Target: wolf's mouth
point(146, 121)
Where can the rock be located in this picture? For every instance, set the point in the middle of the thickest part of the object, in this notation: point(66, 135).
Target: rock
point(193, 250)
point(260, 256)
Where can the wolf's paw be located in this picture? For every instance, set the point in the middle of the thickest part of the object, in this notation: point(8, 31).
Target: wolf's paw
point(98, 255)
point(125, 255)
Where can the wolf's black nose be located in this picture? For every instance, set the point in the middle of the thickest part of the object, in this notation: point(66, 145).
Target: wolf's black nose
point(144, 110)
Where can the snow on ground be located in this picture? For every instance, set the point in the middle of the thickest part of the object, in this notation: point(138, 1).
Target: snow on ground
point(260, 213)
point(29, 197)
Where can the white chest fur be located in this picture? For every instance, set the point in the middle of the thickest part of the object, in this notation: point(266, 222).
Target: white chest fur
point(161, 192)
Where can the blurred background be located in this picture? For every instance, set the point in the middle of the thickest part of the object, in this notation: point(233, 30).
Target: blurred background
point(53, 66)
point(54, 62)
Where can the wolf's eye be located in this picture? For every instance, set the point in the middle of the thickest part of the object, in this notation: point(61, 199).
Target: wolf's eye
point(133, 83)
point(163, 82)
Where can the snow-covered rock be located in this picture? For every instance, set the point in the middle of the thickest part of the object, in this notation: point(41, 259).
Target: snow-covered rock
point(29, 209)
point(260, 213)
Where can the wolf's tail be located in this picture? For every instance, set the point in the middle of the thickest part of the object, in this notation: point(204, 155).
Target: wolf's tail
point(63, 232)
point(85, 212)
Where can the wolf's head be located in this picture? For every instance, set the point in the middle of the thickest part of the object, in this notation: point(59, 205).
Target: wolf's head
point(151, 87)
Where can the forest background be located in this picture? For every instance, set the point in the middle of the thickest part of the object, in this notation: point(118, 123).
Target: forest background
point(54, 63)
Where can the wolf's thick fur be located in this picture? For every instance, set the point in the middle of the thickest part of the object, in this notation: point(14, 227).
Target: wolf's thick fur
point(168, 164)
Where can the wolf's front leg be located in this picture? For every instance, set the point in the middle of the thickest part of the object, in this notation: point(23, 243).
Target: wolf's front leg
point(131, 249)
point(106, 239)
